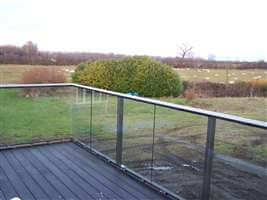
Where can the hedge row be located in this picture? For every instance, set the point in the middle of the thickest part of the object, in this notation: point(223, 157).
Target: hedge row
point(240, 89)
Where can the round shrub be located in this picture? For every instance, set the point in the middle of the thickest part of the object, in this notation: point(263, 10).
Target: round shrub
point(131, 74)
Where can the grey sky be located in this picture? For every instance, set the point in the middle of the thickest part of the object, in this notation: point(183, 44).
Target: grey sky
point(230, 29)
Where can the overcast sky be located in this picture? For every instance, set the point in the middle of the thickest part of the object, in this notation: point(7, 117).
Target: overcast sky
point(229, 29)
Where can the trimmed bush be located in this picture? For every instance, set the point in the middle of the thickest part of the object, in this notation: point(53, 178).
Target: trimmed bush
point(132, 74)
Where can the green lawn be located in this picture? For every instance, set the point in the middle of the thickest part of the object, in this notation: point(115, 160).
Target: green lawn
point(45, 117)
point(24, 119)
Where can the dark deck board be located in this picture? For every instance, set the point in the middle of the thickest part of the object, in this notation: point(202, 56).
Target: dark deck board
point(113, 174)
point(25, 177)
point(14, 179)
point(2, 197)
point(76, 178)
point(43, 182)
point(64, 171)
point(97, 172)
point(52, 179)
point(68, 181)
point(6, 186)
point(94, 183)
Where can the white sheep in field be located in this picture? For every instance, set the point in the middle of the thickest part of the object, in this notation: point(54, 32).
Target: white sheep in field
point(257, 77)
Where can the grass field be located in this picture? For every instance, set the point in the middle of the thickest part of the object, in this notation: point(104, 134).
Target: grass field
point(222, 75)
point(13, 73)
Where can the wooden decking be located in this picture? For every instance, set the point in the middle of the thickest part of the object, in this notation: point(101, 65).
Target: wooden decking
point(64, 171)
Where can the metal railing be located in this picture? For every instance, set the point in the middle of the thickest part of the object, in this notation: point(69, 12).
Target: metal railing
point(210, 136)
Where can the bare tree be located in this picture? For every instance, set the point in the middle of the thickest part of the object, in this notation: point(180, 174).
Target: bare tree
point(30, 48)
point(185, 50)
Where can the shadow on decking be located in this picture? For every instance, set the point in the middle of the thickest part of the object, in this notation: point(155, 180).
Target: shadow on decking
point(64, 171)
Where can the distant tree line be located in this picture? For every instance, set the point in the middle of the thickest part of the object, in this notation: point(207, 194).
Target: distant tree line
point(29, 54)
point(199, 63)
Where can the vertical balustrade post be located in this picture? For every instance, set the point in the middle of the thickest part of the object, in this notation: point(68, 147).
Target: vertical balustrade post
point(119, 130)
point(91, 117)
point(208, 158)
point(153, 144)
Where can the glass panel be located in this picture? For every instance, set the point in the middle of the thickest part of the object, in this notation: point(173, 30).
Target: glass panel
point(52, 108)
point(34, 115)
point(81, 114)
point(179, 152)
point(104, 123)
point(9, 113)
point(138, 136)
point(240, 164)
